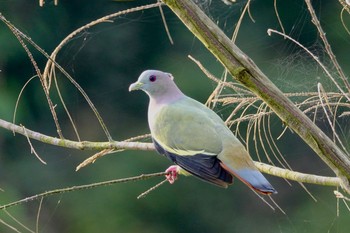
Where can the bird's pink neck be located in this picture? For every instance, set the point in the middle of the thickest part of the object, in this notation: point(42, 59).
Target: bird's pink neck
point(167, 97)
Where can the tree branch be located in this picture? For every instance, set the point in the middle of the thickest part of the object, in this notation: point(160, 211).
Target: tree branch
point(80, 145)
point(297, 176)
point(83, 187)
point(119, 145)
point(244, 70)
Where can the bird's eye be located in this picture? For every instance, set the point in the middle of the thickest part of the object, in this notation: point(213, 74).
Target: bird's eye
point(152, 78)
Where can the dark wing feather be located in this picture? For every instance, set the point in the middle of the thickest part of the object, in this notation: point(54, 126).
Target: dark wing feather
point(205, 167)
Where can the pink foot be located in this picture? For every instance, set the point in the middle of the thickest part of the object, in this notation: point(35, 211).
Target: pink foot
point(173, 171)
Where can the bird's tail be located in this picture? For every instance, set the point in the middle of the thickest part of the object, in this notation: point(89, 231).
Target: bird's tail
point(252, 178)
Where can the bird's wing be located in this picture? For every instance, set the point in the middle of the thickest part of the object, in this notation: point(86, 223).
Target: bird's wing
point(205, 167)
point(186, 128)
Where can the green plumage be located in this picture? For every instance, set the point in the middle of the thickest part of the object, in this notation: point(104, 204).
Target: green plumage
point(186, 125)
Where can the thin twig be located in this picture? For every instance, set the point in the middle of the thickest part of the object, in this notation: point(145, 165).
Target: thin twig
point(142, 195)
point(9, 226)
point(19, 35)
point(321, 97)
point(278, 207)
point(65, 107)
point(19, 97)
point(18, 222)
point(50, 65)
point(83, 187)
point(270, 31)
point(104, 152)
point(265, 201)
point(278, 16)
point(328, 47)
point(240, 20)
point(32, 150)
point(212, 77)
point(346, 5)
point(339, 195)
point(93, 158)
point(165, 24)
point(38, 215)
point(51, 62)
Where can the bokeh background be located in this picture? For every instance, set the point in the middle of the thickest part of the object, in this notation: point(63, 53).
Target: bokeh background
point(104, 60)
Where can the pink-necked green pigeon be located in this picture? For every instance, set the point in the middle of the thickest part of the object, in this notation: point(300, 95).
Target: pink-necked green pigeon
point(194, 137)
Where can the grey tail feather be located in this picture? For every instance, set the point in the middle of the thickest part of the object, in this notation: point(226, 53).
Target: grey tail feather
point(253, 179)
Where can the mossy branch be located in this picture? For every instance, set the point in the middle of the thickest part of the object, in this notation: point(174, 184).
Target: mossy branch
point(244, 70)
point(127, 145)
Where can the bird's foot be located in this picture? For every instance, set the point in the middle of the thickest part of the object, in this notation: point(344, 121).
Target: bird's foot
point(172, 173)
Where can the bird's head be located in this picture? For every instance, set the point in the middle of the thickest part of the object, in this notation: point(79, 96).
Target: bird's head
point(155, 83)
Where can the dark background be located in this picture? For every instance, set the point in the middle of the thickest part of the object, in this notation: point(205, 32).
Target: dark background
point(104, 60)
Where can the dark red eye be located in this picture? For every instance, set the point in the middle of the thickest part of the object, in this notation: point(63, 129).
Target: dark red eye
point(152, 78)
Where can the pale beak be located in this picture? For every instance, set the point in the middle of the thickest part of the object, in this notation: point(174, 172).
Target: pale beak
point(135, 86)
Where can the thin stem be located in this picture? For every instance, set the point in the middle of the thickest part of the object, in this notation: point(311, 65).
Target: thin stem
point(19, 35)
point(83, 187)
point(317, 59)
point(328, 47)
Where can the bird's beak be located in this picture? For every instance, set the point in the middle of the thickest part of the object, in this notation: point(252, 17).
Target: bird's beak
point(135, 86)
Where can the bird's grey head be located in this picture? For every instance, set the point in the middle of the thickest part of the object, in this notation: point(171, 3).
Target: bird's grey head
point(156, 84)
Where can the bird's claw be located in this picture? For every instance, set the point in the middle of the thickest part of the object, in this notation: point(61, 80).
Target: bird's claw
point(172, 173)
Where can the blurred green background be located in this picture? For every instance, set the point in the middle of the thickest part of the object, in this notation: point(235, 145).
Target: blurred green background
point(104, 60)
